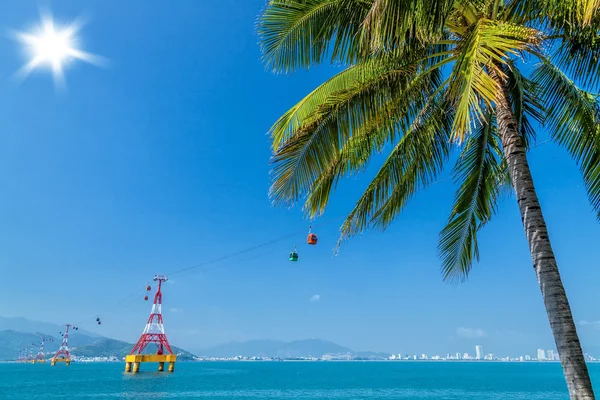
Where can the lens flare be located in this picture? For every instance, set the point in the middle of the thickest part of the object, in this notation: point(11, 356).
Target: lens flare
point(53, 47)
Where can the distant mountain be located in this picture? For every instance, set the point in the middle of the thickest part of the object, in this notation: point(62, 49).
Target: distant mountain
point(275, 348)
point(111, 347)
point(27, 326)
point(11, 342)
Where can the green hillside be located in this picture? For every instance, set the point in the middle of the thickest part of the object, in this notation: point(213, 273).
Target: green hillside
point(117, 348)
point(11, 342)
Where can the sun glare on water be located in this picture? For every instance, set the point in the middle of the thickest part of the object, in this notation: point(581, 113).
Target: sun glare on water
point(53, 47)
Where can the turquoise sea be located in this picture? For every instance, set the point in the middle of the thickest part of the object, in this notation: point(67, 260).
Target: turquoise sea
point(289, 380)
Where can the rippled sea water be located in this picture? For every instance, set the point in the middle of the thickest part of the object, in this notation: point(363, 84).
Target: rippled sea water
point(290, 380)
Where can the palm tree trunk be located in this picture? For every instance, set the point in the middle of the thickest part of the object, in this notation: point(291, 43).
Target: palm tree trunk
point(544, 262)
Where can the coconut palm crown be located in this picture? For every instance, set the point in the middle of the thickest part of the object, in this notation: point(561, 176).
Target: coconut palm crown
point(428, 78)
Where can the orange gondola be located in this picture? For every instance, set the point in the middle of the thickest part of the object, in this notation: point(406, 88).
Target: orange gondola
point(312, 238)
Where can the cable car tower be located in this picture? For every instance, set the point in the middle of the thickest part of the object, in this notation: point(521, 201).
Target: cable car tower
point(62, 355)
point(40, 358)
point(154, 332)
point(29, 358)
point(22, 356)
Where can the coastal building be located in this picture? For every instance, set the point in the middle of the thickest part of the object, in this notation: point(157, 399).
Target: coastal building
point(540, 355)
point(527, 358)
point(478, 352)
point(550, 355)
point(458, 357)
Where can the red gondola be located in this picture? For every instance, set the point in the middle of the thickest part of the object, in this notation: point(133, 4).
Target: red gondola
point(312, 238)
point(146, 298)
point(148, 288)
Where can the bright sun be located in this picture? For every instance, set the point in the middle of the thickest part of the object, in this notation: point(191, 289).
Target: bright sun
point(53, 47)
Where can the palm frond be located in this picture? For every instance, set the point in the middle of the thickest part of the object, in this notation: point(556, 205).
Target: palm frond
point(414, 163)
point(481, 174)
point(298, 33)
point(573, 117)
point(524, 98)
point(578, 53)
point(485, 45)
point(386, 102)
point(360, 73)
point(392, 23)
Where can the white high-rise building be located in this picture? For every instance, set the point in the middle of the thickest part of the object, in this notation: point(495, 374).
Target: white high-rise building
point(540, 355)
point(550, 355)
point(458, 357)
point(478, 352)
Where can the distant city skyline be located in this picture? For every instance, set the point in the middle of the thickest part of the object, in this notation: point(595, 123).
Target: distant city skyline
point(542, 355)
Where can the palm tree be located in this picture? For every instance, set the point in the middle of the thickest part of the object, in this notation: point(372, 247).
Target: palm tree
point(427, 78)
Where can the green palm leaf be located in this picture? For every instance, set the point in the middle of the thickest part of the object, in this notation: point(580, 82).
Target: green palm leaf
point(362, 73)
point(414, 163)
point(385, 103)
point(573, 119)
point(525, 102)
point(297, 33)
point(484, 46)
point(481, 174)
point(391, 23)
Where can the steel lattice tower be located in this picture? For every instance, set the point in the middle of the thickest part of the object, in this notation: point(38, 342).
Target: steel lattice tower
point(154, 332)
point(40, 357)
point(62, 355)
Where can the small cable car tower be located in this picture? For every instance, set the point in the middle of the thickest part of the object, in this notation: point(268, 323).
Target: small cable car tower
point(62, 355)
point(30, 356)
point(154, 332)
point(22, 356)
point(40, 358)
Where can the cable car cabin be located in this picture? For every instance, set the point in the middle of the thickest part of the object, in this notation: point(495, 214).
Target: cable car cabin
point(148, 288)
point(312, 238)
point(146, 298)
point(293, 256)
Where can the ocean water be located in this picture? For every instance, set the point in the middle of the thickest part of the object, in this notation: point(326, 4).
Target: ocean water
point(289, 380)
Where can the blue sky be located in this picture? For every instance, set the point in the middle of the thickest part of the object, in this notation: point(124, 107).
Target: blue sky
point(160, 162)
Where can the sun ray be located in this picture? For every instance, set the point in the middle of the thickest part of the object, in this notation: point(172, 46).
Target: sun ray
point(53, 47)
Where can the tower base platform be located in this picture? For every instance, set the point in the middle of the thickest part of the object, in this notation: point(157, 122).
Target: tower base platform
point(133, 361)
point(67, 361)
point(38, 362)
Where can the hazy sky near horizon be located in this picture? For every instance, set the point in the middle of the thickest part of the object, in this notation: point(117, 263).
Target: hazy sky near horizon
point(160, 161)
